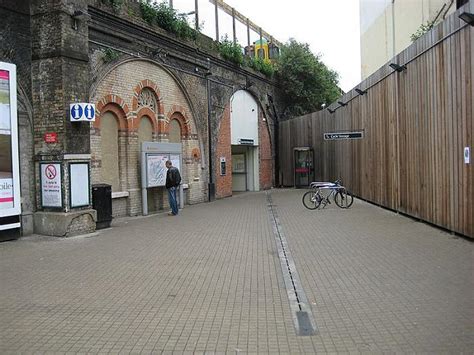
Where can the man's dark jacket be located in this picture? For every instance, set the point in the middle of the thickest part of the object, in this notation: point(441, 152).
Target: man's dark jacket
point(173, 178)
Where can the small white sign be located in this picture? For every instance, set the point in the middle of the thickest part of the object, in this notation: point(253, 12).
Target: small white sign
point(51, 195)
point(467, 155)
point(82, 111)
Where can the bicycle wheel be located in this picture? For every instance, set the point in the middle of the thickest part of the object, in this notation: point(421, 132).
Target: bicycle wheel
point(311, 200)
point(343, 199)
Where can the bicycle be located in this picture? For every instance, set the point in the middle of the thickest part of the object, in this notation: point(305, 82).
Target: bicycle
point(318, 195)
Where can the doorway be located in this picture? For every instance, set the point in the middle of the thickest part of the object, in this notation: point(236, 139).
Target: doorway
point(245, 168)
point(304, 172)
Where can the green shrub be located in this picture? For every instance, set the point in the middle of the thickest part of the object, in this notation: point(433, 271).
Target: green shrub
point(263, 66)
point(231, 51)
point(115, 4)
point(168, 19)
point(148, 12)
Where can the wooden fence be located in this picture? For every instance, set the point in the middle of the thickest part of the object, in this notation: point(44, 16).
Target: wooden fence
point(416, 126)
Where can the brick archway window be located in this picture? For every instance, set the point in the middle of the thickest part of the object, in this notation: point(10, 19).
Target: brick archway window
point(175, 132)
point(109, 171)
point(147, 99)
point(145, 131)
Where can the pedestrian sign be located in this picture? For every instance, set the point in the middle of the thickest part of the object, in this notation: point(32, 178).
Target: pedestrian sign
point(82, 111)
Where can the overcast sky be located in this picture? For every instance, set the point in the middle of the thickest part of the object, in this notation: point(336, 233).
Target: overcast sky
point(330, 27)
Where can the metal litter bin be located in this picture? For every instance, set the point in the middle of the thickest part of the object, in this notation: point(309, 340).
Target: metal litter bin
point(102, 203)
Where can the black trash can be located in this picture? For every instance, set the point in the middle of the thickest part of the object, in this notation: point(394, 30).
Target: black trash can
point(102, 203)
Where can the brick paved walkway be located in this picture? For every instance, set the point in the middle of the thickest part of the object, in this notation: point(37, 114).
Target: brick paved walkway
point(211, 281)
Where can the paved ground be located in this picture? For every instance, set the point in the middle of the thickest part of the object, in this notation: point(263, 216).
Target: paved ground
point(211, 281)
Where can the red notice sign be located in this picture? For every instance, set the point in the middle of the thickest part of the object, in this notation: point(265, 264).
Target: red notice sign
point(51, 137)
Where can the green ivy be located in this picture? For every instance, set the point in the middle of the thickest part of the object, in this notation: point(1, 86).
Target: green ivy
point(110, 55)
point(231, 51)
point(422, 30)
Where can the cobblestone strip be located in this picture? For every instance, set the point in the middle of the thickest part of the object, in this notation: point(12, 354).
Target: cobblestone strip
point(303, 319)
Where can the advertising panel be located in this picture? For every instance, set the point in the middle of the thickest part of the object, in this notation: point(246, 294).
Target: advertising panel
point(9, 164)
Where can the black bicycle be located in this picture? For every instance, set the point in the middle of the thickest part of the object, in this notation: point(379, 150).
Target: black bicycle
point(321, 192)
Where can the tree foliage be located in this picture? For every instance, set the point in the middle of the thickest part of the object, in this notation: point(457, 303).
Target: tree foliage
point(305, 81)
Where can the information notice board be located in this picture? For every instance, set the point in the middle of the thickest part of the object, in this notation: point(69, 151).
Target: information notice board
point(156, 168)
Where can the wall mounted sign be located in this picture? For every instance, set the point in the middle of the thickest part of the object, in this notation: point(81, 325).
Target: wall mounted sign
point(79, 184)
point(82, 111)
point(467, 155)
point(245, 141)
point(51, 137)
point(51, 194)
point(343, 135)
point(153, 169)
point(223, 166)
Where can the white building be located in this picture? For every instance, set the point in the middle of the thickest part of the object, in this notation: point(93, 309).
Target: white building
point(387, 25)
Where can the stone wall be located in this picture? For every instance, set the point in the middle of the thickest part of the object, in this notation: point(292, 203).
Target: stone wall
point(62, 60)
point(121, 91)
point(185, 73)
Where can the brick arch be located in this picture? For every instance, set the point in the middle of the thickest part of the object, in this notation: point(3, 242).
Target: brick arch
point(148, 84)
point(179, 114)
point(145, 111)
point(116, 105)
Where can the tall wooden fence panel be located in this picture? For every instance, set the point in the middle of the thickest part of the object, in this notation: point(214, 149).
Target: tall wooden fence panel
point(416, 125)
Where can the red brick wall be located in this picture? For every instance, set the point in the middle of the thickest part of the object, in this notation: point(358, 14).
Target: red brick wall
point(265, 153)
point(224, 183)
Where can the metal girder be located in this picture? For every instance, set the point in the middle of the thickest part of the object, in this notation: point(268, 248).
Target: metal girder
point(244, 20)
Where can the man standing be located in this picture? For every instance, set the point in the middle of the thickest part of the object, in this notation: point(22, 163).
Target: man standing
point(173, 179)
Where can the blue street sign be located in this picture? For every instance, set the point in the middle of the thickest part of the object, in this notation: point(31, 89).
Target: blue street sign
point(76, 112)
point(89, 112)
point(82, 111)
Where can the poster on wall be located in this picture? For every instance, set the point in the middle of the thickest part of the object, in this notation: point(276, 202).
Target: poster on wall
point(238, 163)
point(9, 163)
point(51, 195)
point(156, 169)
point(79, 175)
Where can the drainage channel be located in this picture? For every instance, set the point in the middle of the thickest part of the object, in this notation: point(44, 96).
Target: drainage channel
point(301, 311)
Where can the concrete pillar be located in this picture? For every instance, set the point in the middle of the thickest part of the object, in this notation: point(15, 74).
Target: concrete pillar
point(60, 76)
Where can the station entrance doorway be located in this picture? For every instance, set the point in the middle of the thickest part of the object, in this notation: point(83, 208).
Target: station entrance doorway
point(245, 169)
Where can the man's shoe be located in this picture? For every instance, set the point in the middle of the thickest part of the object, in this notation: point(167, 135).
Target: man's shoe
point(171, 214)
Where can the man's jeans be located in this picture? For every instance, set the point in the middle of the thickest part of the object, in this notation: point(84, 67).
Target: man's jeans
point(172, 200)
